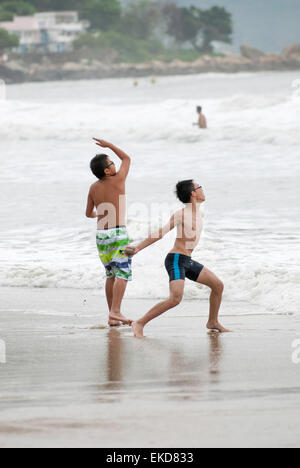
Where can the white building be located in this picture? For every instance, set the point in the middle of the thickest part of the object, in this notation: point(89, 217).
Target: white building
point(60, 29)
point(27, 29)
point(47, 32)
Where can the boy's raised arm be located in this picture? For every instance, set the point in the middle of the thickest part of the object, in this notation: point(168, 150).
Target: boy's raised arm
point(126, 161)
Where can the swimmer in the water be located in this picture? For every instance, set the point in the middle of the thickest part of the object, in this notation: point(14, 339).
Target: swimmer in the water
point(202, 122)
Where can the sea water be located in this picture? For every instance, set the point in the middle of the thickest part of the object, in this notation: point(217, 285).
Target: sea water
point(247, 161)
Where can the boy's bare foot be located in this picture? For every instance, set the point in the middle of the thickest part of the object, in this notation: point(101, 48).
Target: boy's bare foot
point(138, 330)
point(216, 326)
point(120, 318)
point(114, 323)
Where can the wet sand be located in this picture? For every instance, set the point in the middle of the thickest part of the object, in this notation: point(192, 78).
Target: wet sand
point(69, 381)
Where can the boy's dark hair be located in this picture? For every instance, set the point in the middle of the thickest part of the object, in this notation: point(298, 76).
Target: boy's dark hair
point(184, 190)
point(98, 165)
point(199, 109)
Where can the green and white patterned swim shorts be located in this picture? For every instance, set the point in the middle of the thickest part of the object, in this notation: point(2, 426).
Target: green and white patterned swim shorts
point(111, 244)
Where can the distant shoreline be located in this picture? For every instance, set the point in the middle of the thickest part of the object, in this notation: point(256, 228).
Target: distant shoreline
point(18, 71)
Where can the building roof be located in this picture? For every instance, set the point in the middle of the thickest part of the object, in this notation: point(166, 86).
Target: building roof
point(21, 23)
point(63, 12)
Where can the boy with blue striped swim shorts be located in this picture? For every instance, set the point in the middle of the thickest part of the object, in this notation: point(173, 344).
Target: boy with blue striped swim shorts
point(179, 263)
point(107, 203)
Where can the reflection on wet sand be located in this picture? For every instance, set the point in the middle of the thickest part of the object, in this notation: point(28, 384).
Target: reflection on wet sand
point(114, 359)
point(215, 355)
point(179, 367)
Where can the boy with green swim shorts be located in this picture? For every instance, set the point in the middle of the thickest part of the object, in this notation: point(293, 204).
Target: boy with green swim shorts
point(108, 196)
point(111, 244)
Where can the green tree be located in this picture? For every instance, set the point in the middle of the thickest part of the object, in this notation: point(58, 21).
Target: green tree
point(102, 14)
point(216, 25)
point(139, 19)
point(56, 5)
point(199, 27)
point(6, 16)
point(129, 49)
point(182, 23)
point(7, 41)
point(18, 7)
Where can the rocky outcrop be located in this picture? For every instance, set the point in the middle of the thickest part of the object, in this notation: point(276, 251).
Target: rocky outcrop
point(12, 75)
point(251, 53)
point(47, 68)
point(291, 52)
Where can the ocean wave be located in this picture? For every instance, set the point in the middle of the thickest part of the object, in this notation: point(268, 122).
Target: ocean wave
point(269, 119)
point(64, 259)
point(275, 291)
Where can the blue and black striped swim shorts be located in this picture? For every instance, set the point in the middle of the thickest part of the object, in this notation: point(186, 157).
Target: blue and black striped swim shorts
point(180, 267)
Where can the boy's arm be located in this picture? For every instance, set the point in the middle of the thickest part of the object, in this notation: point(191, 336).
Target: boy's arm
point(126, 161)
point(156, 236)
point(90, 211)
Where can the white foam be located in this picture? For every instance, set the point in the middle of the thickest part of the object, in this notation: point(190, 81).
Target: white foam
point(249, 275)
point(241, 118)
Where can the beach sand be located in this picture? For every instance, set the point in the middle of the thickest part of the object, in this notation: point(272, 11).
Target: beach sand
point(69, 381)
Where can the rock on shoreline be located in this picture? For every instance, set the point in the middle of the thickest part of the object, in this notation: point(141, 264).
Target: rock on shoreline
point(47, 69)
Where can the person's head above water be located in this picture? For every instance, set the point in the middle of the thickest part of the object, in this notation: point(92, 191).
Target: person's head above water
point(101, 166)
point(199, 109)
point(188, 191)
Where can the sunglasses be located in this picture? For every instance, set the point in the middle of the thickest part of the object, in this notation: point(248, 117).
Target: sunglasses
point(198, 188)
point(111, 164)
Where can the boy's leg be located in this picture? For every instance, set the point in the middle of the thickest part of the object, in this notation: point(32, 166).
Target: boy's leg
point(110, 282)
point(118, 294)
point(209, 279)
point(176, 294)
point(109, 288)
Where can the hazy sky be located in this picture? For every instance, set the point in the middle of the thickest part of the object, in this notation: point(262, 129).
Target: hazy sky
point(269, 25)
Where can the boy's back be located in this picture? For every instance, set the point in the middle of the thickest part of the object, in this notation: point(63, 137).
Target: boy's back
point(108, 194)
point(109, 198)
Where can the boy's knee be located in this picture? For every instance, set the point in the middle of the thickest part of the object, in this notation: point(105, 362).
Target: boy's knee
point(175, 300)
point(219, 287)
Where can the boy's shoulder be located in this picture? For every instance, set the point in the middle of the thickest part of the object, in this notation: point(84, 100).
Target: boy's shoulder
point(178, 215)
point(95, 186)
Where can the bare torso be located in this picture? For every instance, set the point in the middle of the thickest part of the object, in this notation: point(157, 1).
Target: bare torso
point(109, 198)
point(202, 121)
point(189, 223)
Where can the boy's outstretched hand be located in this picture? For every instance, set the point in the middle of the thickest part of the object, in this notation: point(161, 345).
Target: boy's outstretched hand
point(131, 250)
point(102, 143)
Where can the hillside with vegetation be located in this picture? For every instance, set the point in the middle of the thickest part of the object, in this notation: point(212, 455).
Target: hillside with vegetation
point(138, 31)
point(136, 38)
